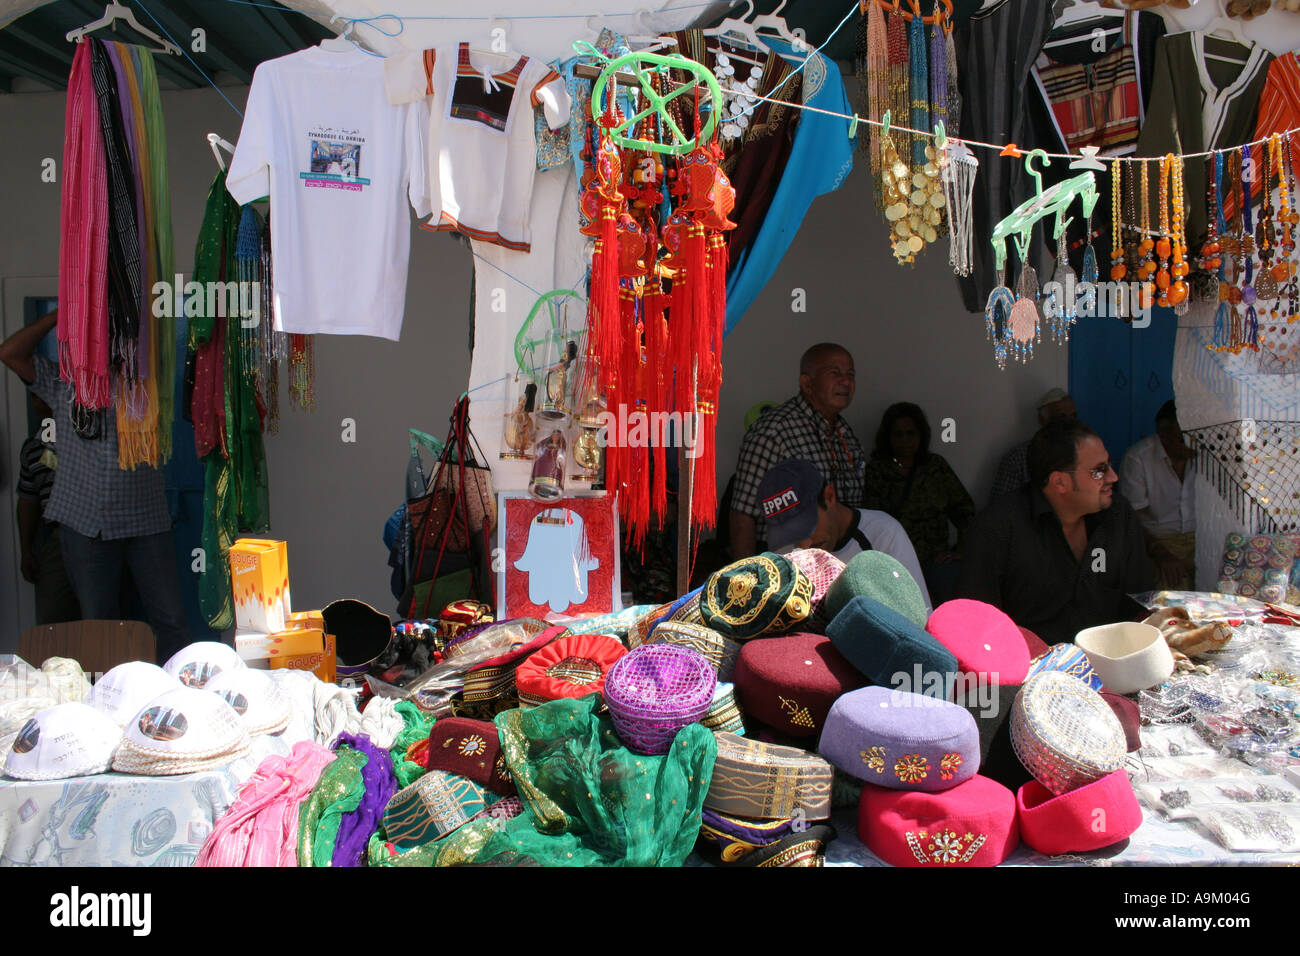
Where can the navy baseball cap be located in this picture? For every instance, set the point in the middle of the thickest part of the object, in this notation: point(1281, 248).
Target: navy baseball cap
point(788, 497)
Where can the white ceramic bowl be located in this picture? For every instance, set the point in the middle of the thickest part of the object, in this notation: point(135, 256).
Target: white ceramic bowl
point(1128, 657)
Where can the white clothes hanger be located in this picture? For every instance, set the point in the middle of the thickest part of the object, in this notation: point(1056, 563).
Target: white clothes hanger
point(1224, 27)
point(114, 12)
point(775, 22)
point(655, 41)
point(738, 30)
point(344, 42)
point(218, 144)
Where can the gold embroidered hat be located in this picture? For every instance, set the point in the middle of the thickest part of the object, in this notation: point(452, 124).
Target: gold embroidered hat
point(761, 781)
point(765, 594)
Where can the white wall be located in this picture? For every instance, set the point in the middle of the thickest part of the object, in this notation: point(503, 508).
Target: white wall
point(906, 327)
point(910, 336)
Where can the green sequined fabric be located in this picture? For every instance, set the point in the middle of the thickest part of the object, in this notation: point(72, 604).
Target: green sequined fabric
point(338, 791)
point(588, 800)
point(418, 725)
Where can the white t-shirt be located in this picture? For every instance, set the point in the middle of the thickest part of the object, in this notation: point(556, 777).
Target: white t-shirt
point(339, 162)
point(482, 151)
point(887, 535)
point(1148, 480)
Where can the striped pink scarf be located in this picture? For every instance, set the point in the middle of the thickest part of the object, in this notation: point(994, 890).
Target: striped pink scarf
point(261, 827)
point(83, 243)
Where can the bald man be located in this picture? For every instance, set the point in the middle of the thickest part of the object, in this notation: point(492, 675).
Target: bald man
point(809, 426)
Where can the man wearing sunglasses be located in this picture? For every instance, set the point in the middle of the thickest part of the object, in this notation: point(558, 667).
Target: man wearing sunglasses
point(1064, 552)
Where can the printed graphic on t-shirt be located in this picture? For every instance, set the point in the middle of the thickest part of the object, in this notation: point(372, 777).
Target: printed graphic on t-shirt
point(483, 98)
point(335, 160)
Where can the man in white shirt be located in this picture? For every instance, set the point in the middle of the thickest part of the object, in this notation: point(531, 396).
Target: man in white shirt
point(1158, 480)
point(803, 510)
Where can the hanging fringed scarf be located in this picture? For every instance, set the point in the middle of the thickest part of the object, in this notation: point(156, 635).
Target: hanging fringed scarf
point(83, 242)
point(124, 281)
point(163, 342)
point(137, 398)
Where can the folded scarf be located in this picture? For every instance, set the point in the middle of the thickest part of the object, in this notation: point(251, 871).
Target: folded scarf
point(83, 242)
point(261, 827)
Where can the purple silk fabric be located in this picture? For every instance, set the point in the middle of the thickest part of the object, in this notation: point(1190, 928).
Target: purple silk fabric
point(355, 828)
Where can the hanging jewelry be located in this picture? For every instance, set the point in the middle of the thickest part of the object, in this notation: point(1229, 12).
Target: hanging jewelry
point(1178, 289)
point(958, 167)
point(1144, 245)
point(1249, 295)
point(1222, 315)
point(1024, 326)
point(737, 96)
point(1117, 268)
point(997, 319)
point(1164, 245)
point(877, 80)
point(1059, 307)
point(1265, 233)
point(900, 102)
point(1089, 272)
point(895, 183)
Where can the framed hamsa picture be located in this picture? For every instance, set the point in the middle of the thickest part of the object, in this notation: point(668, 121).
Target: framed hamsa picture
point(558, 559)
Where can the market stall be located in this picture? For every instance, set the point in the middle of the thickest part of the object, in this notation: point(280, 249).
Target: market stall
point(565, 681)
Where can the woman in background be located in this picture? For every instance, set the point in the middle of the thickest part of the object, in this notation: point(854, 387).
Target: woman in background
point(920, 489)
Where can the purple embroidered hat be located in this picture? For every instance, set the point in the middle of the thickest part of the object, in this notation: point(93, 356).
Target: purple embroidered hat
point(901, 741)
point(654, 691)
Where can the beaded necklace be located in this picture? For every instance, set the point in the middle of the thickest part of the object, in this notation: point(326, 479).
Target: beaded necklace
point(1250, 323)
point(1164, 245)
point(1145, 247)
point(1117, 268)
point(1219, 342)
point(1179, 270)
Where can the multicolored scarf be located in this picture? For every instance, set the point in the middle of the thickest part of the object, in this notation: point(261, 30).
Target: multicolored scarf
point(83, 242)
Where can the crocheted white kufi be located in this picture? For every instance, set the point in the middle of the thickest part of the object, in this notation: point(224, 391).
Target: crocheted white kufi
point(124, 690)
point(260, 703)
point(182, 731)
point(198, 663)
point(68, 740)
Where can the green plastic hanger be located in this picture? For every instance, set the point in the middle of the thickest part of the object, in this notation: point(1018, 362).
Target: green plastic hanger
point(524, 346)
point(1054, 202)
point(643, 66)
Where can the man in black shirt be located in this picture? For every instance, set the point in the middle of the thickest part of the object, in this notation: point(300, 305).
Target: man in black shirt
point(1063, 553)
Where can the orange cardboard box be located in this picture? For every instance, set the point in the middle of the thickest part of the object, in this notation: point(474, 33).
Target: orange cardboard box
point(259, 578)
point(321, 659)
point(254, 645)
point(283, 548)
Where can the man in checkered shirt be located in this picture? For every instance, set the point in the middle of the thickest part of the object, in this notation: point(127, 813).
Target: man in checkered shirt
point(109, 519)
point(808, 426)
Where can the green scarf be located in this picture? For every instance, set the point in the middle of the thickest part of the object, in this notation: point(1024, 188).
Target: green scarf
point(588, 800)
point(339, 791)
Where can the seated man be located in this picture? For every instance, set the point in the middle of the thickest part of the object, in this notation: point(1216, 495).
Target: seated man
point(808, 426)
point(1013, 472)
point(804, 511)
point(1160, 484)
point(1063, 553)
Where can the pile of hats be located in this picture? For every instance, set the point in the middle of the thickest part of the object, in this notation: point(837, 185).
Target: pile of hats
point(954, 733)
point(197, 712)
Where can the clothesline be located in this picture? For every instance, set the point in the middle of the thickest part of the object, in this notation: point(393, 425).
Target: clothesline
point(1000, 147)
